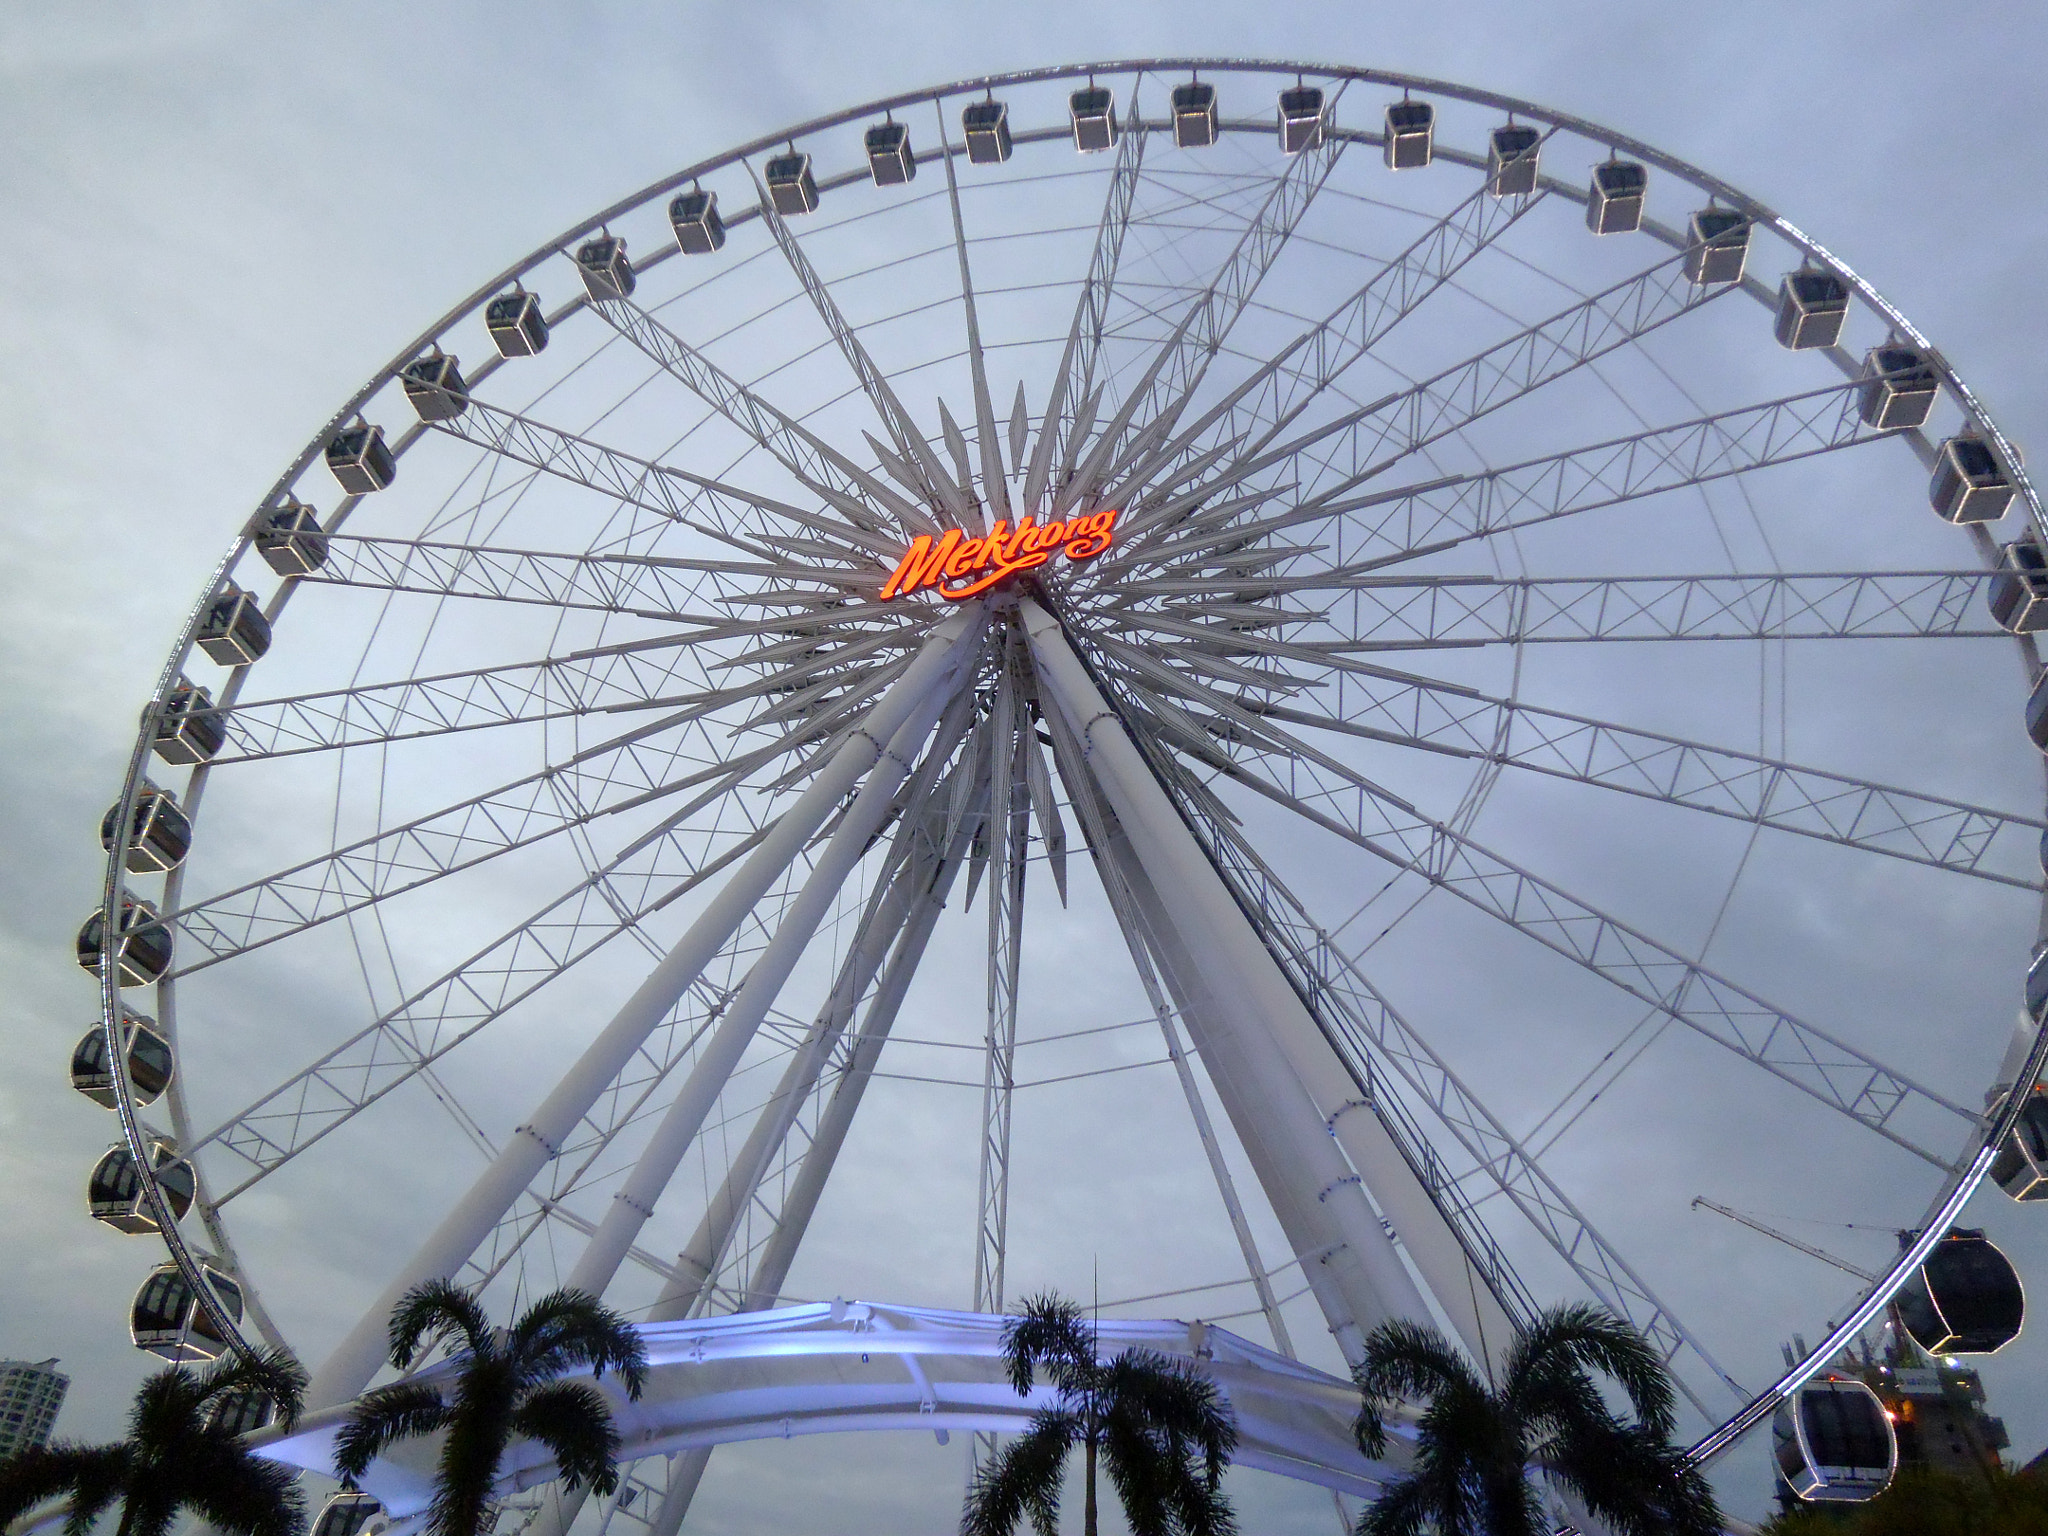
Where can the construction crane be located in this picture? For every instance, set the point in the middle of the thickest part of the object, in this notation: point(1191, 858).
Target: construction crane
point(1790, 1242)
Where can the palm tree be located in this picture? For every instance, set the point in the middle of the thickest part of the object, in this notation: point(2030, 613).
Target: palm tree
point(181, 1453)
point(1157, 1423)
point(504, 1385)
point(1477, 1443)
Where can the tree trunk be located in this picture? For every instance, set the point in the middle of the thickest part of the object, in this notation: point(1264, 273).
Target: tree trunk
point(1088, 1508)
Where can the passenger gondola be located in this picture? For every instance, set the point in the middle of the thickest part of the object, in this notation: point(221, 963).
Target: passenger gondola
point(150, 1063)
point(2018, 591)
point(1899, 386)
point(166, 1318)
point(1812, 305)
point(241, 1413)
point(144, 951)
point(693, 215)
point(1968, 484)
point(159, 835)
point(891, 161)
point(360, 460)
point(435, 386)
point(1833, 1442)
point(1511, 157)
point(792, 189)
point(1614, 202)
point(116, 1196)
point(606, 269)
point(2021, 1165)
point(345, 1514)
point(517, 326)
point(189, 730)
point(1965, 1300)
point(234, 631)
point(289, 539)
point(986, 127)
point(1411, 135)
point(1093, 109)
point(1717, 247)
point(1301, 119)
point(1194, 114)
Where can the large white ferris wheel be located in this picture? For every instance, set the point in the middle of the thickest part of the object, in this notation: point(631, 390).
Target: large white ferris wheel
point(1395, 638)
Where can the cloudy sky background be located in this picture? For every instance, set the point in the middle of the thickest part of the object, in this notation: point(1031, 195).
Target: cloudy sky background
point(224, 217)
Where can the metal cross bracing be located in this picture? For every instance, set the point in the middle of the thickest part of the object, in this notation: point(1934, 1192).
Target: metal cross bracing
point(1324, 792)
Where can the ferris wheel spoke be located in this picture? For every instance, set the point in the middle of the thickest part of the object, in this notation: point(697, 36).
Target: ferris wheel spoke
point(1433, 515)
point(1770, 792)
point(1334, 459)
point(1265, 404)
point(922, 465)
point(320, 1098)
point(994, 483)
point(821, 468)
point(1181, 364)
point(1376, 1041)
point(629, 772)
point(1331, 795)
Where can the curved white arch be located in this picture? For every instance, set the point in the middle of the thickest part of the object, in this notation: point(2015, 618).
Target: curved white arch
point(828, 1367)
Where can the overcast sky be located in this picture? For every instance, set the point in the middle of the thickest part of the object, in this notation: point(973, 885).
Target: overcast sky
point(223, 217)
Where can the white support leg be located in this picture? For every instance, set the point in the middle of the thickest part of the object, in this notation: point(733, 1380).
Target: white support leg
point(356, 1359)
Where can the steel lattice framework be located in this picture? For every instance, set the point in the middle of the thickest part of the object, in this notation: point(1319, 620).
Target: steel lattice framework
point(1433, 661)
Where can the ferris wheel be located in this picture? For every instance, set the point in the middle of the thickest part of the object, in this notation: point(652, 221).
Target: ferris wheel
point(1467, 661)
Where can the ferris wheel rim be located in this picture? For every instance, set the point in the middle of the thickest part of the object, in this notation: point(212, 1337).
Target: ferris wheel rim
point(1965, 1179)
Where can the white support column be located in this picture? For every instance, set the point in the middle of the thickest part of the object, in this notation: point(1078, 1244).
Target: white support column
point(1230, 964)
point(1185, 881)
point(356, 1359)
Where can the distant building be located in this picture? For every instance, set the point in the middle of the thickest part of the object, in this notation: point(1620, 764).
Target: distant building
point(1938, 1415)
point(30, 1395)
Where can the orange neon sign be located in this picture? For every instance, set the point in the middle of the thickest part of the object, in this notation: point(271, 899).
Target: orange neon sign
point(1002, 553)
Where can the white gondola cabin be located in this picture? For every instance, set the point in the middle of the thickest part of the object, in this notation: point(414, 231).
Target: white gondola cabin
point(1093, 110)
point(143, 952)
point(891, 160)
point(2018, 593)
point(1833, 1442)
point(241, 1413)
point(360, 460)
point(693, 215)
point(986, 127)
point(1812, 307)
point(435, 387)
point(1614, 201)
point(289, 539)
point(1966, 1299)
point(166, 1318)
point(606, 270)
point(1969, 486)
point(345, 1514)
point(190, 730)
point(115, 1194)
point(234, 631)
point(1194, 114)
point(517, 326)
point(1717, 246)
point(1898, 389)
point(2021, 1166)
point(159, 834)
point(1411, 135)
point(150, 1063)
point(1301, 119)
point(792, 189)
point(1511, 160)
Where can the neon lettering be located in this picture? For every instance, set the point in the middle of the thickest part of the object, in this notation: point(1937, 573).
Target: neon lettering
point(1001, 554)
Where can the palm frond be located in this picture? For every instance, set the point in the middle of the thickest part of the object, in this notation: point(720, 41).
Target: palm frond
point(274, 1373)
point(1636, 1483)
point(247, 1496)
point(398, 1412)
point(1175, 1396)
point(92, 1475)
point(1051, 1331)
point(1587, 1338)
point(1405, 1508)
point(1023, 1479)
point(434, 1311)
point(1404, 1360)
point(479, 1429)
point(570, 1328)
point(572, 1419)
point(1142, 1469)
